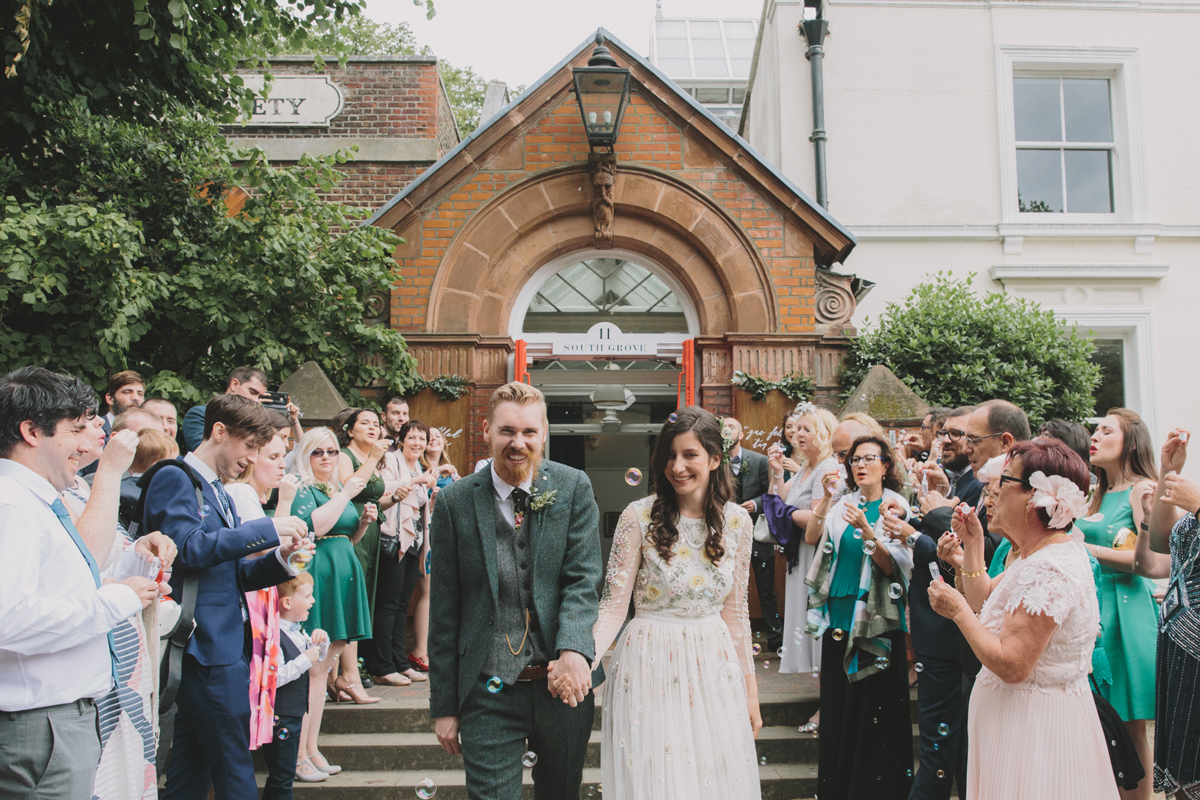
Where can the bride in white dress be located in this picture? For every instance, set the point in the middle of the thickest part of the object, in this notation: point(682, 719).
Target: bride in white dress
point(680, 701)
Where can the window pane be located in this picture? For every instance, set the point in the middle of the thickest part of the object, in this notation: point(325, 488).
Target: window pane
point(675, 67)
point(1036, 108)
point(708, 48)
point(711, 68)
point(1089, 185)
point(672, 29)
point(1085, 103)
point(1039, 180)
point(1110, 392)
point(739, 30)
point(710, 95)
point(740, 66)
point(672, 48)
point(739, 96)
point(706, 29)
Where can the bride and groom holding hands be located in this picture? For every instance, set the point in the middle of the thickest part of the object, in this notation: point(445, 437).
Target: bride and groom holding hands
point(517, 630)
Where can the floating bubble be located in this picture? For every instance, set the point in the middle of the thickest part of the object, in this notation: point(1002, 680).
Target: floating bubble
point(730, 673)
point(857, 533)
point(494, 684)
point(781, 651)
point(935, 746)
point(816, 673)
point(911, 541)
point(205, 510)
point(529, 759)
point(909, 773)
point(633, 476)
point(895, 590)
point(726, 432)
point(766, 665)
point(869, 546)
point(882, 662)
point(276, 720)
point(941, 773)
point(591, 791)
point(919, 667)
point(828, 547)
point(838, 634)
point(756, 649)
point(672, 417)
point(283, 733)
point(426, 789)
point(798, 636)
point(943, 729)
point(763, 761)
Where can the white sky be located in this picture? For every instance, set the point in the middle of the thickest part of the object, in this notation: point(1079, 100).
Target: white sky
point(518, 41)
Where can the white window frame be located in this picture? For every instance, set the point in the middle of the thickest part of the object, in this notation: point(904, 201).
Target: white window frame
point(1120, 66)
point(1136, 328)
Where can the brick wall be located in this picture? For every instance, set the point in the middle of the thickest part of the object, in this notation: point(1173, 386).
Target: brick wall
point(647, 138)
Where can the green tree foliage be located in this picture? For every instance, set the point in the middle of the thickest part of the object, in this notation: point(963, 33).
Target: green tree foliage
point(142, 60)
point(954, 348)
point(116, 252)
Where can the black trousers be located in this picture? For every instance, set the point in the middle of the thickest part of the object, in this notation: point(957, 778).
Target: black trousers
point(943, 758)
point(762, 561)
point(394, 587)
point(280, 756)
point(865, 747)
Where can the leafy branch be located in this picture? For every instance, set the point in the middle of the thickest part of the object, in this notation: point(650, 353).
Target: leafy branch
point(795, 385)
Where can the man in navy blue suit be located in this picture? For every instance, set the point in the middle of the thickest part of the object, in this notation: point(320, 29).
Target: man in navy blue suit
point(212, 723)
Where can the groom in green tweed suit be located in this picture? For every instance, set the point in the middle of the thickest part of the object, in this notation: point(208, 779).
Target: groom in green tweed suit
point(514, 585)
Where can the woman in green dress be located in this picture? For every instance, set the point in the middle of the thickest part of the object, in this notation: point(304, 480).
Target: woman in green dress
point(1123, 459)
point(341, 607)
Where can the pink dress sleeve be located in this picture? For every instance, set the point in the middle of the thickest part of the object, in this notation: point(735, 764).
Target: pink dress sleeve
point(623, 563)
point(736, 611)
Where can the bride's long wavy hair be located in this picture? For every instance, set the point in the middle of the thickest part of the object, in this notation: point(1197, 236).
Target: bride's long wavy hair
point(664, 514)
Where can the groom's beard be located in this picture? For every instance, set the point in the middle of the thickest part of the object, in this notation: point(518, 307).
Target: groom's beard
point(515, 475)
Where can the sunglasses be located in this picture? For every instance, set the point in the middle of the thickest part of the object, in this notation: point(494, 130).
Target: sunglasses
point(323, 453)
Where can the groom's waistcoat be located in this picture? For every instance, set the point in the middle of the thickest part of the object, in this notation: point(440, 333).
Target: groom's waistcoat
point(514, 567)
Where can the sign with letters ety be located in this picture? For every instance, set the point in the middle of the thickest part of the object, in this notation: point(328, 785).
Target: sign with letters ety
point(294, 101)
point(606, 339)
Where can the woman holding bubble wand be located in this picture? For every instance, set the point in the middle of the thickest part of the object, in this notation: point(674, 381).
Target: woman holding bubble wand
point(681, 700)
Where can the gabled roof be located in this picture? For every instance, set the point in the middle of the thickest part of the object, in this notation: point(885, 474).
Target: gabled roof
point(833, 242)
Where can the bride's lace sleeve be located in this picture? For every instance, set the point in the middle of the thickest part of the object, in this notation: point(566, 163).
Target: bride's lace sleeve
point(1044, 587)
point(736, 611)
point(623, 563)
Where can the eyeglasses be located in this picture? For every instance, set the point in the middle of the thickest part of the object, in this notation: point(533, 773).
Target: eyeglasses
point(925, 427)
point(1024, 484)
point(323, 453)
point(974, 440)
point(841, 456)
point(866, 460)
point(953, 434)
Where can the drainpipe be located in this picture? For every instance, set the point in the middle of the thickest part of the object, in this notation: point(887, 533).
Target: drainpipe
point(814, 31)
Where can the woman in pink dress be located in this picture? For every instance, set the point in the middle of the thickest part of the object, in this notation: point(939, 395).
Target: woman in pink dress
point(1033, 727)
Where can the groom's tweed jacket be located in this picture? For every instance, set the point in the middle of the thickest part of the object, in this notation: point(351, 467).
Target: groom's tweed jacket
point(464, 577)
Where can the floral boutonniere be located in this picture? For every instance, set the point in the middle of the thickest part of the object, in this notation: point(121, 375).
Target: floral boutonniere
point(539, 501)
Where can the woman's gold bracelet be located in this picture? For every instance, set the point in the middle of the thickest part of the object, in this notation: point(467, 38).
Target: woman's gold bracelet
point(975, 574)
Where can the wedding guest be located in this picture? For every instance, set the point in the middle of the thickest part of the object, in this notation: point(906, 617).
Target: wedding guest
point(1122, 456)
point(166, 411)
point(856, 603)
point(683, 556)
point(436, 461)
point(1033, 728)
point(56, 655)
point(813, 428)
point(342, 607)
point(402, 540)
point(1177, 717)
point(153, 446)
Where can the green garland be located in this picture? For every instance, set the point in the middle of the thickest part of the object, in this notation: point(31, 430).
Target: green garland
point(448, 387)
point(794, 385)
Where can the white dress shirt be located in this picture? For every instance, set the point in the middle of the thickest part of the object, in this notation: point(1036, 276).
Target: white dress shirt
point(53, 620)
point(504, 492)
point(299, 665)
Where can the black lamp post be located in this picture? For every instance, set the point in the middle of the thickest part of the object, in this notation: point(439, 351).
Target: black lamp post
point(602, 89)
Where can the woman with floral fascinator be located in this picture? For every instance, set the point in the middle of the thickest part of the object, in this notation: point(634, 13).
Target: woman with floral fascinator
point(1033, 730)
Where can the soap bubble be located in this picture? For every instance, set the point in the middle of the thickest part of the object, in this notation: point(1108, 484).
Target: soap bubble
point(529, 759)
point(763, 761)
point(798, 637)
point(276, 720)
point(494, 684)
point(672, 417)
point(869, 546)
point(911, 541)
point(895, 590)
point(205, 510)
point(857, 533)
point(919, 667)
point(766, 665)
point(730, 673)
point(828, 547)
point(591, 791)
point(756, 649)
point(941, 773)
point(283, 734)
point(943, 729)
point(882, 662)
point(426, 789)
point(726, 432)
point(633, 476)
point(838, 634)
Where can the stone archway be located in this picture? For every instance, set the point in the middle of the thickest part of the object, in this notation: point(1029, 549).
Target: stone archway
point(511, 237)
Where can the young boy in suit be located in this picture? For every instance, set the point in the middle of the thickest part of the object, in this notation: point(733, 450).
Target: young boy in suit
point(300, 652)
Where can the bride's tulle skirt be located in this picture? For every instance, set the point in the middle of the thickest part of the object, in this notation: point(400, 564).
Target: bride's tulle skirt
point(675, 718)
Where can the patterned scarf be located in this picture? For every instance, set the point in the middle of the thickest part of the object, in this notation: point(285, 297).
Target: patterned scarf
point(265, 658)
point(876, 613)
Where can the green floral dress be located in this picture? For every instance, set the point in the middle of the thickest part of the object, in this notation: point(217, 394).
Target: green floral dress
point(367, 548)
point(1129, 616)
point(339, 590)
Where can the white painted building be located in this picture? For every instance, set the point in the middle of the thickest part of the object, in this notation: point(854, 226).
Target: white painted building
point(1049, 146)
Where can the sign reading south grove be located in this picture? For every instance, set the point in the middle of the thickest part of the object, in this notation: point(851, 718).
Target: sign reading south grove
point(605, 339)
point(294, 101)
